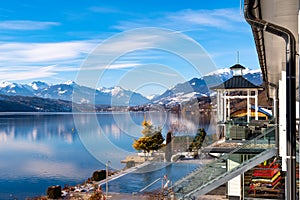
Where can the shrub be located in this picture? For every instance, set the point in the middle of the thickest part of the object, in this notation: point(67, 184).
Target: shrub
point(99, 175)
point(54, 192)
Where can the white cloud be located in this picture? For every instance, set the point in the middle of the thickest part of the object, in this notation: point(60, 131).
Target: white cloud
point(118, 66)
point(134, 40)
point(220, 18)
point(188, 19)
point(26, 25)
point(163, 73)
point(26, 73)
point(112, 53)
point(25, 61)
point(43, 52)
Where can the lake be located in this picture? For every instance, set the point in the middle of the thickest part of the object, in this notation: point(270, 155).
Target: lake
point(42, 149)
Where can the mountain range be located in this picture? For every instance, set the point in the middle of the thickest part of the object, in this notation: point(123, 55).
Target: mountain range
point(70, 91)
point(199, 87)
point(117, 96)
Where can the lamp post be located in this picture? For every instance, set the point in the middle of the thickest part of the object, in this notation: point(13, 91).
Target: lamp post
point(106, 187)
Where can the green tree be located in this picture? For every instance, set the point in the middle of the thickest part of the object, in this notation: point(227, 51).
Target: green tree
point(143, 144)
point(148, 129)
point(151, 140)
point(156, 140)
point(198, 140)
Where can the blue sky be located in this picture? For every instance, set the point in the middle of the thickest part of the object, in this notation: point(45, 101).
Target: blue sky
point(52, 40)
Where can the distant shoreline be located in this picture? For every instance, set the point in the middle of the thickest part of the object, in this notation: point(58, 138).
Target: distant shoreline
point(68, 113)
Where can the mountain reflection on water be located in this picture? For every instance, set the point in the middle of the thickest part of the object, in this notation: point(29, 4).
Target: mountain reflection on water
point(42, 149)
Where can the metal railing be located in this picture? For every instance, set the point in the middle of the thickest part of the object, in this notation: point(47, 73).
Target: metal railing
point(145, 188)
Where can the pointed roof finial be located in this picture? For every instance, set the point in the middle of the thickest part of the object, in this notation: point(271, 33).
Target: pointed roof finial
point(238, 57)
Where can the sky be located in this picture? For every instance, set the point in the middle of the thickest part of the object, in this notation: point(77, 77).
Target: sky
point(145, 46)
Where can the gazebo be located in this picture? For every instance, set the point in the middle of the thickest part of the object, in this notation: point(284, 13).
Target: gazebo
point(236, 87)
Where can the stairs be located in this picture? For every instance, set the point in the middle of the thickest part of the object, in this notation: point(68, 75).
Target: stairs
point(214, 174)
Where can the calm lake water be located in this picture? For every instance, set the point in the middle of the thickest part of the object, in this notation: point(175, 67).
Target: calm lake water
point(39, 150)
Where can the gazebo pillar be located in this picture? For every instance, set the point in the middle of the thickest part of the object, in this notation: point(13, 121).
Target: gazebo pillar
point(248, 106)
point(256, 104)
point(221, 131)
point(224, 106)
point(219, 106)
point(228, 108)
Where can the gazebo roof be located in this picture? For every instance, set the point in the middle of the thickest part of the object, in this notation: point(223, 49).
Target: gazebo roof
point(236, 82)
point(237, 66)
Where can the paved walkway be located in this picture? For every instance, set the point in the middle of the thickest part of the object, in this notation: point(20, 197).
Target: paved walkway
point(216, 194)
point(128, 197)
point(140, 197)
point(212, 197)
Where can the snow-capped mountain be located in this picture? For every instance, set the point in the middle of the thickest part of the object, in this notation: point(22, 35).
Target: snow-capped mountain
point(62, 91)
point(199, 87)
point(115, 96)
point(222, 73)
point(38, 85)
point(183, 92)
point(120, 96)
point(69, 91)
point(9, 88)
point(152, 96)
point(254, 76)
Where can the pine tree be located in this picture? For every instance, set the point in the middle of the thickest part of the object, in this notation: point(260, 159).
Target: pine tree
point(151, 140)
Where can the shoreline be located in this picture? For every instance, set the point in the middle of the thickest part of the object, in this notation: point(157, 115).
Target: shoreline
point(86, 190)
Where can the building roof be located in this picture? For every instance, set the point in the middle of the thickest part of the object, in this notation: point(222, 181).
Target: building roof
point(271, 49)
point(237, 66)
point(236, 82)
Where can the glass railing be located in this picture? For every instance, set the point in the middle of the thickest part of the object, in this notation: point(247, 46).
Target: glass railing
point(245, 131)
point(206, 177)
